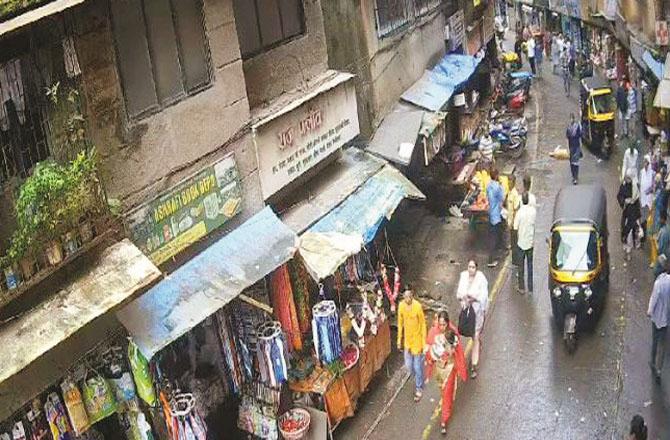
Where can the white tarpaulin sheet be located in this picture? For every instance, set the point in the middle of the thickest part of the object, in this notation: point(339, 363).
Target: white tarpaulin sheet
point(121, 272)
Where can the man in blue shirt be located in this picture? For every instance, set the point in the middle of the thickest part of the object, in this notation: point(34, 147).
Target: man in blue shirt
point(663, 244)
point(495, 196)
point(659, 312)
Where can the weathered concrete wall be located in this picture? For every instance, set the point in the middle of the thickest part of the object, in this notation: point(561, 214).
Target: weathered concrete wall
point(640, 15)
point(384, 67)
point(142, 158)
point(289, 65)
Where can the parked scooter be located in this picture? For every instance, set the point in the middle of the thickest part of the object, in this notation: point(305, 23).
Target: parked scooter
point(507, 143)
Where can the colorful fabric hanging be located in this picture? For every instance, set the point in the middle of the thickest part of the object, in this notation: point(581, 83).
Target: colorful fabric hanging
point(282, 301)
point(272, 354)
point(301, 294)
point(326, 332)
point(229, 349)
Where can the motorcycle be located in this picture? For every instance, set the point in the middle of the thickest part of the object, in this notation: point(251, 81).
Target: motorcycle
point(511, 126)
point(507, 143)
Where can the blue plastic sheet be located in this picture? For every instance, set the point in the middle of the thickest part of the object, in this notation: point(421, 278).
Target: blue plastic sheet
point(436, 86)
point(208, 282)
point(655, 66)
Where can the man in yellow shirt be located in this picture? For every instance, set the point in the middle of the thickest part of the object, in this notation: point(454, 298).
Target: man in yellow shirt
point(412, 337)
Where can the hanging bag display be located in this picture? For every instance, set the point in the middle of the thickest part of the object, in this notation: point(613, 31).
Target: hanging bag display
point(74, 404)
point(55, 415)
point(99, 398)
point(467, 321)
point(144, 380)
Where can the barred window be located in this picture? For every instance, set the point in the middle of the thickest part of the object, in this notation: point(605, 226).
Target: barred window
point(424, 6)
point(264, 24)
point(33, 65)
point(393, 15)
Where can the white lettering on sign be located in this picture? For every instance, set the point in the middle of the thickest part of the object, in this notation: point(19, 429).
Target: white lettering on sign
point(296, 141)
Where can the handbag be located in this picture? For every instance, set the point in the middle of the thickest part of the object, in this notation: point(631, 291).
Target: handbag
point(467, 321)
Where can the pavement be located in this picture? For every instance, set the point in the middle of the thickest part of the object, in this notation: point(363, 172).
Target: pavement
point(528, 386)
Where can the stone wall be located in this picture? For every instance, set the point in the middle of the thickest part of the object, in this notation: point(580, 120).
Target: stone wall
point(289, 65)
point(142, 158)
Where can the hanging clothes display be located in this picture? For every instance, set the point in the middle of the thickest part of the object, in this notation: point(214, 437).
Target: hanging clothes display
point(282, 301)
point(184, 422)
point(272, 354)
point(326, 332)
point(300, 282)
point(229, 349)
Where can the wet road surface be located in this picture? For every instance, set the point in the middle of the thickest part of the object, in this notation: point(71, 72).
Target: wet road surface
point(528, 386)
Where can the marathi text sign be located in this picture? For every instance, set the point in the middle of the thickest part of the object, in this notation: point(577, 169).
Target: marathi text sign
point(187, 212)
point(291, 144)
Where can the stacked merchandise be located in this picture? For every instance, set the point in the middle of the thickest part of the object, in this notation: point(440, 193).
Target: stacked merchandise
point(105, 384)
point(259, 410)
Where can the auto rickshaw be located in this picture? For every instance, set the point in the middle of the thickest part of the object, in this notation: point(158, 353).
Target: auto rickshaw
point(597, 114)
point(579, 259)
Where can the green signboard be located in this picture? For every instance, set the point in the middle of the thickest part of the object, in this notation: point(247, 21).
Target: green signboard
point(187, 212)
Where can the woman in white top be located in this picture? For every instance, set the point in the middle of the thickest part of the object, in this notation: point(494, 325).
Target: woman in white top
point(473, 289)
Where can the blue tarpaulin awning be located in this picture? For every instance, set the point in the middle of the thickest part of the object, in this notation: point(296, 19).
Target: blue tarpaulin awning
point(655, 66)
point(208, 282)
point(344, 230)
point(434, 89)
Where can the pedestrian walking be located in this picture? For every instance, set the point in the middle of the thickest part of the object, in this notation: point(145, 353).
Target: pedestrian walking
point(646, 194)
point(638, 430)
point(518, 47)
point(513, 204)
point(659, 312)
point(525, 224)
point(473, 290)
point(629, 200)
point(622, 106)
point(539, 54)
point(654, 222)
point(412, 338)
point(526, 190)
point(572, 57)
point(574, 135)
point(495, 197)
point(555, 55)
point(630, 158)
point(530, 52)
point(631, 113)
point(445, 363)
point(565, 71)
point(662, 244)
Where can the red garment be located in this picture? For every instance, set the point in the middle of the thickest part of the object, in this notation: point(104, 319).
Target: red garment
point(460, 369)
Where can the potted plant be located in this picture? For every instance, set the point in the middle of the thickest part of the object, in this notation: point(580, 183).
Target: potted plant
point(83, 199)
point(40, 208)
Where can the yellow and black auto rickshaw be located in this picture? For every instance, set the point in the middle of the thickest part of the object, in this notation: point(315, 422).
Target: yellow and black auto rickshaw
point(597, 106)
point(579, 260)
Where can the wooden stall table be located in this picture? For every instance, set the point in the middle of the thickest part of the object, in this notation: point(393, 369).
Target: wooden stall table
point(332, 392)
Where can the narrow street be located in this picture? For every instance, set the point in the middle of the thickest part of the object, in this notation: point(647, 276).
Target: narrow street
point(529, 387)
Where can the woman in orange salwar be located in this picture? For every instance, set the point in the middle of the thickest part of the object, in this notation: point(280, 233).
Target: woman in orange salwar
point(445, 361)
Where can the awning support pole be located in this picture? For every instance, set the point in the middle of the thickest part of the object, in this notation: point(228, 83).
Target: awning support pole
point(264, 307)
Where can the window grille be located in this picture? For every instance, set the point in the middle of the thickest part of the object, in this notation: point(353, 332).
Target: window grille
point(392, 15)
point(31, 63)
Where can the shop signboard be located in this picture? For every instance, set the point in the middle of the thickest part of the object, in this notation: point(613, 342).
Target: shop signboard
point(290, 144)
point(457, 29)
point(187, 212)
point(662, 34)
